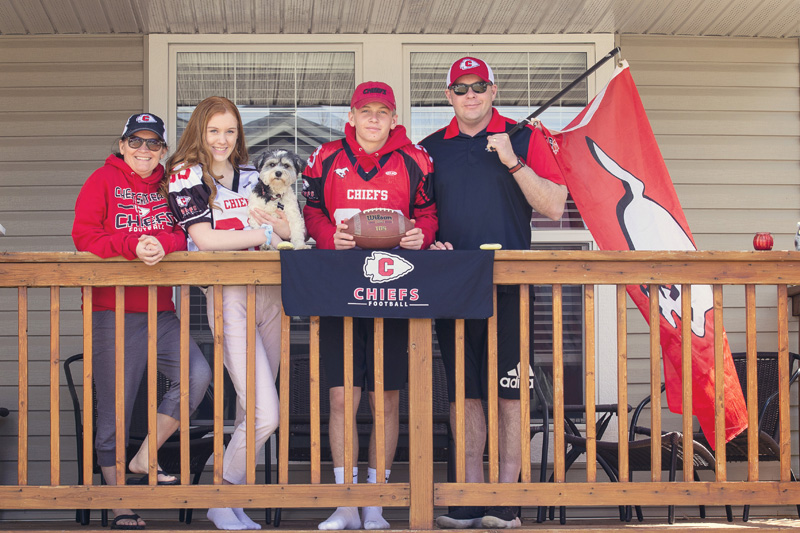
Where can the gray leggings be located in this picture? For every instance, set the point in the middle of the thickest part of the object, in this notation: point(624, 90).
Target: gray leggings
point(103, 364)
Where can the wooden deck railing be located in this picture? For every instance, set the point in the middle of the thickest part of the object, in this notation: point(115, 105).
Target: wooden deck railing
point(589, 269)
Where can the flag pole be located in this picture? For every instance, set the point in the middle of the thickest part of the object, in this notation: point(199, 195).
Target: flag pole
point(564, 91)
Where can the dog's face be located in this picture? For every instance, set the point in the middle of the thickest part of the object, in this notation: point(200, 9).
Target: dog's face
point(278, 169)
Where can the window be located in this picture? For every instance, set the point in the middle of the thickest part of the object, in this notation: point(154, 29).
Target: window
point(291, 100)
point(525, 81)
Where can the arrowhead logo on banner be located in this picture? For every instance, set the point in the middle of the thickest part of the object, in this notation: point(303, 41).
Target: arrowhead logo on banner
point(381, 267)
point(620, 184)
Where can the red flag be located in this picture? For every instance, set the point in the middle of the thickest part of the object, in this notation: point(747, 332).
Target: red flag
point(620, 184)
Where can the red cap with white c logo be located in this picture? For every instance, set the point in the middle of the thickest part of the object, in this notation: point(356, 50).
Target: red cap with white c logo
point(470, 65)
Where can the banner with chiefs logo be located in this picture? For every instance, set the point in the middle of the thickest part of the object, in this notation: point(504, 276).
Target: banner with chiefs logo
point(619, 181)
point(388, 284)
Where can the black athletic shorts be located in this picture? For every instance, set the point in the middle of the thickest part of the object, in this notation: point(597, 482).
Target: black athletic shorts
point(395, 352)
point(476, 349)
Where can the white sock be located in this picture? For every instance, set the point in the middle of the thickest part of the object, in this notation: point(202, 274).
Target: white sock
point(244, 519)
point(373, 516)
point(338, 475)
point(343, 517)
point(372, 475)
point(225, 518)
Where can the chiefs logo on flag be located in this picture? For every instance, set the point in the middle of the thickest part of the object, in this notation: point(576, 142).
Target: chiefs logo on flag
point(620, 183)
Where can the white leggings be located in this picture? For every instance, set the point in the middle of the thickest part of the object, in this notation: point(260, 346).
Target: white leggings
point(268, 345)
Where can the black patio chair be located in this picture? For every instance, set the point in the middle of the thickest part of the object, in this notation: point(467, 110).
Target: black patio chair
point(639, 460)
point(672, 451)
point(768, 424)
point(201, 442)
point(576, 448)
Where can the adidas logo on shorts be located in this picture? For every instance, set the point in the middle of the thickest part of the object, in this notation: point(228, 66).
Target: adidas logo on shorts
point(511, 381)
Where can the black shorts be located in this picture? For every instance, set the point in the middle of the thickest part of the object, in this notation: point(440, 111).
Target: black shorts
point(476, 349)
point(395, 352)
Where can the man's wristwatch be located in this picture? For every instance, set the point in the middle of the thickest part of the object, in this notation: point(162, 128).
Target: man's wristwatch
point(519, 165)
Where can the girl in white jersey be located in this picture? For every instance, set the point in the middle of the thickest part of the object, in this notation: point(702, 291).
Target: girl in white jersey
point(208, 187)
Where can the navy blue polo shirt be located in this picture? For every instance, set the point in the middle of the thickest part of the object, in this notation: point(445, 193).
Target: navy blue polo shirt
point(477, 198)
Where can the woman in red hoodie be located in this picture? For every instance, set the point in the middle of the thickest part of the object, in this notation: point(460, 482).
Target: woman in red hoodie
point(119, 212)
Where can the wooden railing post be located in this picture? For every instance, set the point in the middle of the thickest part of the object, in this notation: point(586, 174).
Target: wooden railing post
point(420, 405)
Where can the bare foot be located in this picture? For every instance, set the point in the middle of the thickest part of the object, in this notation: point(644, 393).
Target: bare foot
point(136, 467)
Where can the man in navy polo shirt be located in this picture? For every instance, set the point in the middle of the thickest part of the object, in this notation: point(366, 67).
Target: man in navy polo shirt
point(486, 185)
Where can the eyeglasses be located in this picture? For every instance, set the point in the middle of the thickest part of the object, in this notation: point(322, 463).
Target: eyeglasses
point(154, 145)
point(479, 87)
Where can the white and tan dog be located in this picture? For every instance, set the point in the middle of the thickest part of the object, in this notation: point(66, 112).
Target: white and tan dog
point(277, 172)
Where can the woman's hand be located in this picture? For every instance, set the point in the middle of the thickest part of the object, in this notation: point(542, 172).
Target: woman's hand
point(149, 250)
point(278, 221)
point(342, 240)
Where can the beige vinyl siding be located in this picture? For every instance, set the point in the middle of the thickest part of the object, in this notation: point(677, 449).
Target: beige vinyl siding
point(726, 114)
point(63, 103)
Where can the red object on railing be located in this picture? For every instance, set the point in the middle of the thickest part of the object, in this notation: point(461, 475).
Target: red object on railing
point(763, 241)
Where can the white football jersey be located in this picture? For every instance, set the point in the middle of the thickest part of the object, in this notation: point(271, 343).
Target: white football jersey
point(188, 198)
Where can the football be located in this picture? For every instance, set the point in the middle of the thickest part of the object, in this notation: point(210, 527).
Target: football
point(378, 229)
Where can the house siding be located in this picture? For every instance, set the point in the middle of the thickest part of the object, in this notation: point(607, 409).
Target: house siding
point(63, 103)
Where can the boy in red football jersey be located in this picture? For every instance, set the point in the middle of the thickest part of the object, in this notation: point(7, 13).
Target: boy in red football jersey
point(375, 165)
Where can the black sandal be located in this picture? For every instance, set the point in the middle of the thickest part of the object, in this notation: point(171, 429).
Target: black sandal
point(116, 525)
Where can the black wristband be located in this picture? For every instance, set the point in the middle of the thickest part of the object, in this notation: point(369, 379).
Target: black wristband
point(519, 165)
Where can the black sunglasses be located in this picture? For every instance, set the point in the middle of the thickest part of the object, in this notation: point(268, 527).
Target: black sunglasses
point(479, 87)
point(154, 145)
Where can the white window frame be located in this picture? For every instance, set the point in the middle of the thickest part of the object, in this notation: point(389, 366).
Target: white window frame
point(377, 57)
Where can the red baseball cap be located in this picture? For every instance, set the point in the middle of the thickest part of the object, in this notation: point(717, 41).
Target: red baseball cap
point(470, 65)
point(373, 91)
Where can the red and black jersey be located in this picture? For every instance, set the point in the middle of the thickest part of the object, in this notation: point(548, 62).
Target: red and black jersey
point(189, 200)
point(337, 184)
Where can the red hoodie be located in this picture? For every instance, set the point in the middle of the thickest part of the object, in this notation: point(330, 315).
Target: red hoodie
point(114, 208)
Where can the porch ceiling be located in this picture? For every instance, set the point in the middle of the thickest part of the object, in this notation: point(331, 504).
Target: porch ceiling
point(736, 18)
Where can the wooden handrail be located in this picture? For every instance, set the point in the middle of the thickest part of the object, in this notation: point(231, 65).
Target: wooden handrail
point(56, 270)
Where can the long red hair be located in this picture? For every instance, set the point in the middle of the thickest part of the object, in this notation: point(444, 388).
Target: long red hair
point(192, 148)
